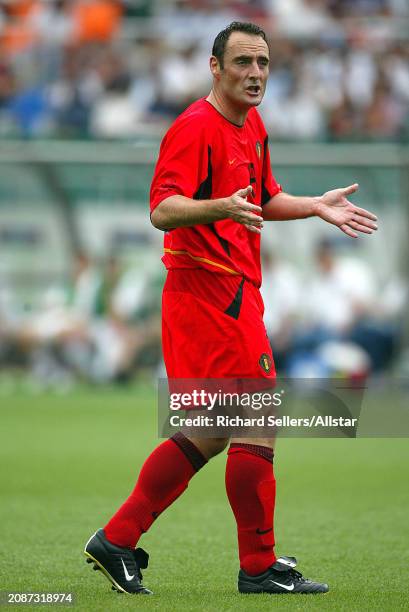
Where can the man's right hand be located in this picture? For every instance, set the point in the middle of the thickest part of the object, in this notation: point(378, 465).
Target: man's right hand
point(179, 211)
point(238, 209)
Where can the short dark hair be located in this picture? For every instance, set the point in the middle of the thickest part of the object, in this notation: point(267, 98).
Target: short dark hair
point(219, 45)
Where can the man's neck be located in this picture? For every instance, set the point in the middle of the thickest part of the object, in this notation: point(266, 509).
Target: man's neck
point(236, 116)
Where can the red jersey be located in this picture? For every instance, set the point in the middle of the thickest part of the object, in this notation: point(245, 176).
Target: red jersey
point(204, 156)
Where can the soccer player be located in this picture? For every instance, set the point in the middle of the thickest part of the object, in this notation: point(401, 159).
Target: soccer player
point(212, 190)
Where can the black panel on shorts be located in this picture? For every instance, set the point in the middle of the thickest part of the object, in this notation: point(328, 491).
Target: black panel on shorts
point(234, 309)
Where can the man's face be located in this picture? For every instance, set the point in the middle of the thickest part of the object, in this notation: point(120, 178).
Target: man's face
point(243, 78)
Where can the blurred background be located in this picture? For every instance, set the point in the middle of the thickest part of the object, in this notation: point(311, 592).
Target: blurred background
point(88, 89)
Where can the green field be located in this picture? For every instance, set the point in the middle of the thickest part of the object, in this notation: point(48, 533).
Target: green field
point(68, 462)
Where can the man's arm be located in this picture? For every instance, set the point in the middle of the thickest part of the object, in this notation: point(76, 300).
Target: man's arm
point(179, 211)
point(333, 207)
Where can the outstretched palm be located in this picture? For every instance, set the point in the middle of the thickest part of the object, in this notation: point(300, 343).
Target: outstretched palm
point(334, 207)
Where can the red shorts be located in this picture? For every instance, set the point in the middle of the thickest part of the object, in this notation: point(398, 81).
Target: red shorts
point(212, 327)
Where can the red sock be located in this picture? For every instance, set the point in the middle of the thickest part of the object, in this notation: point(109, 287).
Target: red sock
point(250, 487)
point(164, 476)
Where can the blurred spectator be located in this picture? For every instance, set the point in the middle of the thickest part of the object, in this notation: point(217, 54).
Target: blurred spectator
point(8, 84)
point(113, 113)
point(341, 304)
point(344, 8)
point(17, 33)
point(342, 122)
point(361, 73)
point(385, 115)
point(85, 287)
point(301, 17)
point(395, 67)
point(342, 291)
point(323, 73)
point(53, 22)
point(297, 117)
point(95, 20)
point(127, 331)
point(55, 337)
point(183, 78)
point(29, 110)
point(73, 95)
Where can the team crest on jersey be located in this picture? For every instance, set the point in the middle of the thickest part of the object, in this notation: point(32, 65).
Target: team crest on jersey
point(258, 149)
point(266, 362)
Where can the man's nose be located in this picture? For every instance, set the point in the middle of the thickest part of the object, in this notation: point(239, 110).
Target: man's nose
point(255, 70)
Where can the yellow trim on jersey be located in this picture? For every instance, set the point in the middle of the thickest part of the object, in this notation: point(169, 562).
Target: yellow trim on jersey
point(204, 260)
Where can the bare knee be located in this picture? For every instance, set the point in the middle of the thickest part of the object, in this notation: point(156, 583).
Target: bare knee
point(209, 447)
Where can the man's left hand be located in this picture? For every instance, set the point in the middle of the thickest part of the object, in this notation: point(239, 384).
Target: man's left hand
point(334, 207)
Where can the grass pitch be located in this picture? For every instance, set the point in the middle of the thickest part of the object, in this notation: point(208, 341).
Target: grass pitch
point(68, 462)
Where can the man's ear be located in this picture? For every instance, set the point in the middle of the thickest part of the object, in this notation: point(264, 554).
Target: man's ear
point(215, 67)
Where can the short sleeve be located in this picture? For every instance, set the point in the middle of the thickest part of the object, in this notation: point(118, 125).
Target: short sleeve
point(183, 160)
point(269, 186)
